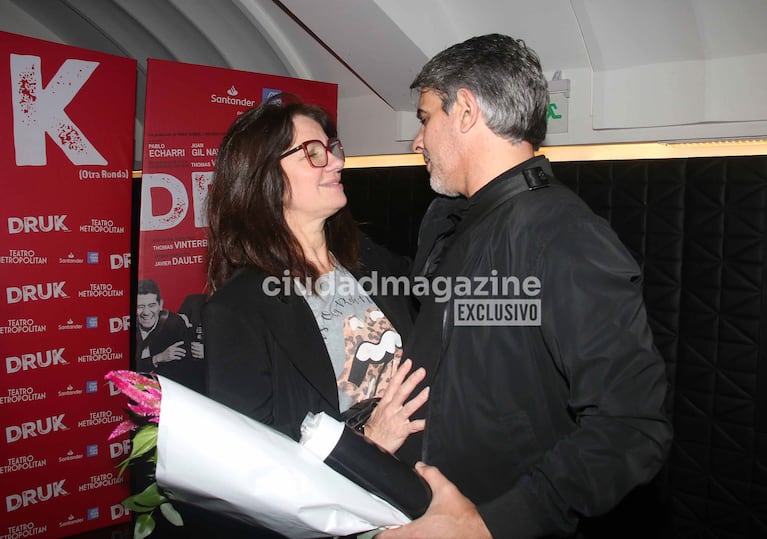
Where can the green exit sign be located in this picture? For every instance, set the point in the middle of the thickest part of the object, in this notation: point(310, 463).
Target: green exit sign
point(556, 116)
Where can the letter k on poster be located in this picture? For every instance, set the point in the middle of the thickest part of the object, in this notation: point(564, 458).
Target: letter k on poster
point(66, 152)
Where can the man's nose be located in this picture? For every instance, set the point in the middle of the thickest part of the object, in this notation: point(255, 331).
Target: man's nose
point(417, 146)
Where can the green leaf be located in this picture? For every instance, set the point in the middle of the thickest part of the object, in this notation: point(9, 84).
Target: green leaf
point(144, 526)
point(144, 441)
point(123, 466)
point(145, 500)
point(136, 508)
point(170, 513)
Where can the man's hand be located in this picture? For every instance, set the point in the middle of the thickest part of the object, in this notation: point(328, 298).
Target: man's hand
point(450, 515)
point(174, 352)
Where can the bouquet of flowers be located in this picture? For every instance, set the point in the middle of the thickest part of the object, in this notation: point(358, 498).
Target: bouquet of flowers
point(213, 457)
point(145, 395)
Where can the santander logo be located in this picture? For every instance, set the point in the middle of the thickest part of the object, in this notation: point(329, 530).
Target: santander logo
point(231, 98)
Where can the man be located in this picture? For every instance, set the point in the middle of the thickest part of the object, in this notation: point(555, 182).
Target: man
point(547, 394)
point(161, 339)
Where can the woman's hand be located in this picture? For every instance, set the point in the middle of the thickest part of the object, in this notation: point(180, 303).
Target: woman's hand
point(389, 424)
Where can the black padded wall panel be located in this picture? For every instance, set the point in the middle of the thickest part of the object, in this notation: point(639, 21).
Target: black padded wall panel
point(699, 234)
point(697, 228)
point(389, 203)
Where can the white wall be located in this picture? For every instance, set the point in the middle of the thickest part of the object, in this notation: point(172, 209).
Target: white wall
point(368, 126)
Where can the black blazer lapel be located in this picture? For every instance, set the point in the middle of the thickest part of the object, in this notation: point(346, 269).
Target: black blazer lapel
point(294, 327)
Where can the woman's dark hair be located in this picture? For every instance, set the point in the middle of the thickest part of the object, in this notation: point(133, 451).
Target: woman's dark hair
point(246, 224)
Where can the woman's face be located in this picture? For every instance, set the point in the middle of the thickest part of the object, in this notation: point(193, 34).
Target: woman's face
point(315, 193)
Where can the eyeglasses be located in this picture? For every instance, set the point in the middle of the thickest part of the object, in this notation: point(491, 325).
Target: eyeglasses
point(317, 153)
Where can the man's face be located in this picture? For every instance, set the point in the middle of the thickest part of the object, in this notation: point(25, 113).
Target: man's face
point(148, 309)
point(436, 143)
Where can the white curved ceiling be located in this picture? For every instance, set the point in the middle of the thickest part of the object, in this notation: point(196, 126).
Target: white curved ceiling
point(640, 70)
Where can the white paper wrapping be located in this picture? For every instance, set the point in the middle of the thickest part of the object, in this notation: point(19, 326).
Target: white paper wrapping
point(210, 456)
point(320, 434)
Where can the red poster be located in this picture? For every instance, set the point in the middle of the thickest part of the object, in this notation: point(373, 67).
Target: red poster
point(67, 118)
point(188, 110)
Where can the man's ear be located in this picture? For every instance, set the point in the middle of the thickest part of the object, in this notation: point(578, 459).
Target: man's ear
point(466, 108)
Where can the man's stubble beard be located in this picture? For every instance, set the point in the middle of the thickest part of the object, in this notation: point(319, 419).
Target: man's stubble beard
point(437, 182)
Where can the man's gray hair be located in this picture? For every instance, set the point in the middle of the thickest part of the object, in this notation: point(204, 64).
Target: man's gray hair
point(504, 75)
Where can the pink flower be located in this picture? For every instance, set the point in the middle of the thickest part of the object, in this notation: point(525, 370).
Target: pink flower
point(145, 396)
point(122, 428)
point(143, 391)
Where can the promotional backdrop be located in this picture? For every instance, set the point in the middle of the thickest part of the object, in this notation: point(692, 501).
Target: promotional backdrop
point(66, 153)
point(188, 110)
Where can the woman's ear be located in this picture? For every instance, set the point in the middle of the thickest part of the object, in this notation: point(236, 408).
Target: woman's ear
point(466, 108)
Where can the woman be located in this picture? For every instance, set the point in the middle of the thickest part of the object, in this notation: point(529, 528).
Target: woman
point(288, 330)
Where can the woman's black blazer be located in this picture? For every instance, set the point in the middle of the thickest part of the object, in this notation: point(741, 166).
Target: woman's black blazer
point(264, 354)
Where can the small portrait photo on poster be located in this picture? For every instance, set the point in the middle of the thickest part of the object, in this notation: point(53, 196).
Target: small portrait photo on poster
point(169, 343)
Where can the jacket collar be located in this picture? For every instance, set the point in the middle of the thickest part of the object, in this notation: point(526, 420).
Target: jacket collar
point(452, 215)
point(514, 178)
